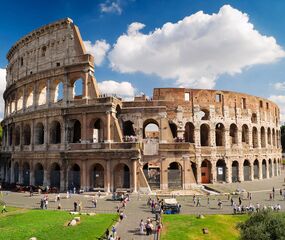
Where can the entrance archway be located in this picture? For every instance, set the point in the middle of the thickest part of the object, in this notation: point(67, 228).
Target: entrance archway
point(26, 174)
point(221, 170)
point(235, 171)
point(206, 168)
point(55, 176)
point(74, 177)
point(39, 174)
point(121, 176)
point(152, 174)
point(256, 169)
point(174, 175)
point(246, 170)
point(264, 168)
point(97, 176)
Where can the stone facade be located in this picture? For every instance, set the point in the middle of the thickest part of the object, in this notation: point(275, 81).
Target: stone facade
point(59, 131)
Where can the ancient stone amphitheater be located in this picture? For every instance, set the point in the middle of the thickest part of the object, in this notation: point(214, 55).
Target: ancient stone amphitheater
point(59, 131)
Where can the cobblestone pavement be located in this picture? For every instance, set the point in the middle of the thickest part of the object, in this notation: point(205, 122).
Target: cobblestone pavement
point(136, 209)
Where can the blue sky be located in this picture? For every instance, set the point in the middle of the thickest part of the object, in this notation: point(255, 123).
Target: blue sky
point(109, 20)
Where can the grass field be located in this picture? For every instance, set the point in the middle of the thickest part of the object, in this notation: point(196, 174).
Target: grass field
point(221, 227)
point(43, 224)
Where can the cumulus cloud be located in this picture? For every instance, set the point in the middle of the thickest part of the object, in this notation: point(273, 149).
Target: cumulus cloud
point(280, 86)
point(280, 101)
point(2, 89)
point(196, 50)
point(111, 6)
point(99, 50)
point(121, 89)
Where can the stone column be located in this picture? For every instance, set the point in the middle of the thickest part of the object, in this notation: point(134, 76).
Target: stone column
point(84, 128)
point(260, 169)
point(267, 169)
point(24, 98)
point(198, 166)
point(20, 174)
point(228, 172)
point(32, 175)
point(251, 170)
point(163, 176)
point(12, 178)
point(108, 176)
point(83, 175)
point(197, 137)
point(66, 86)
point(35, 95)
point(32, 134)
point(108, 126)
point(134, 175)
point(240, 171)
point(85, 86)
point(48, 93)
point(250, 137)
point(214, 171)
point(228, 139)
point(46, 177)
point(62, 182)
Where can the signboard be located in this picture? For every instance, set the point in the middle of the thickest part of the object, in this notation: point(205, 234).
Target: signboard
point(220, 171)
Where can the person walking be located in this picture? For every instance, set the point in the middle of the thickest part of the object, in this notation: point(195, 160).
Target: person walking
point(239, 201)
point(198, 202)
point(142, 226)
point(208, 202)
point(75, 206)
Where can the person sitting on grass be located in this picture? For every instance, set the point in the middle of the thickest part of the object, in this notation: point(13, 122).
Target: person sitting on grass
point(4, 209)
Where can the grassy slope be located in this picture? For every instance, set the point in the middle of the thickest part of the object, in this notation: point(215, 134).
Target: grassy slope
point(45, 225)
point(189, 227)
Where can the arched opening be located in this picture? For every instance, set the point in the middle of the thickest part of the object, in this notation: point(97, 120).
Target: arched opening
point(194, 170)
point(245, 134)
point(39, 175)
point(55, 133)
point(262, 137)
point(235, 170)
point(152, 174)
point(221, 170)
point(206, 168)
point(151, 129)
point(77, 89)
point(246, 170)
point(39, 134)
point(205, 135)
point(74, 177)
point(255, 169)
point(275, 167)
point(205, 114)
point(42, 96)
point(121, 176)
point(234, 133)
point(58, 92)
point(254, 137)
point(118, 111)
point(11, 133)
point(55, 176)
point(98, 133)
point(273, 137)
point(26, 174)
point(270, 167)
point(27, 134)
point(18, 136)
point(97, 176)
point(220, 135)
point(268, 136)
point(189, 134)
point(16, 172)
point(30, 99)
point(76, 133)
point(173, 129)
point(254, 118)
point(128, 128)
point(264, 168)
point(174, 175)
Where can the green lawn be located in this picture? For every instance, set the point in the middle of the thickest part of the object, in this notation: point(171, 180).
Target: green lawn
point(189, 227)
point(44, 224)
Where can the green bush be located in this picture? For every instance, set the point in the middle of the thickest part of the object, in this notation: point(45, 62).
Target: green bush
point(265, 225)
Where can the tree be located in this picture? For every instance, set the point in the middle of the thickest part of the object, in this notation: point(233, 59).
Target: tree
point(264, 225)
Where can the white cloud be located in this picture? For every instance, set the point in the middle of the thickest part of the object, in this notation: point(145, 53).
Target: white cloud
point(280, 101)
point(196, 50)
point(122, 89)
point(2, 89)
point(111, 6)
point(99, 50)
point(280, 86)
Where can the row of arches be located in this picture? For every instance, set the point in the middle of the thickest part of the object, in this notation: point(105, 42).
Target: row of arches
point(42, 94)
point(54, 175)
point(16, 136)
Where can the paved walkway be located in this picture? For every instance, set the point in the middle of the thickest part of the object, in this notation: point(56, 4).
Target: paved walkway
point(136, 209)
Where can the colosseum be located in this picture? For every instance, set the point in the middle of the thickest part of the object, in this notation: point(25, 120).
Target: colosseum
point(60, 131)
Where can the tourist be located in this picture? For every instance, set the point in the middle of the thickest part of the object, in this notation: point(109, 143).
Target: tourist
point(99, 193)
point(114, 231)
point(75, 206)
point(232, 201)
point(142, 226)
point(220, 204)
point(198, 202)
point(250, 196)
point(94, 201)
point(208, 202)
point(46, 202)
point(270, 196)
point(280, 191)
point(42, 204)
point(257, 207)
point(67, 194)
point(239, 200)
point(122, 216)
point(194, 199)
point(273, 193)
point(31, 191)
point(59, 206)
point(4, 208)
point(107, 233)
point(58, 197)
point(79, 206)
point(74, 190)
